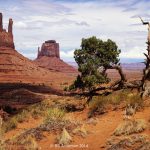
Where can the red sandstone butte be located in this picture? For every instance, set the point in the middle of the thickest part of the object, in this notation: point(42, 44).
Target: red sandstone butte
point(49, 48)
point(49, 57)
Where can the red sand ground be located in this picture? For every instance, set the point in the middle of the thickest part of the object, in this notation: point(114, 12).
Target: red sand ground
point(98, 134)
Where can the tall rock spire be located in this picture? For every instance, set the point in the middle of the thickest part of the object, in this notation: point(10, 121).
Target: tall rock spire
point(10, 26)
point(6, 38)
point(1, 22)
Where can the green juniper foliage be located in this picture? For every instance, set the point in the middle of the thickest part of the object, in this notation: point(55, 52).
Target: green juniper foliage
point(94, 58)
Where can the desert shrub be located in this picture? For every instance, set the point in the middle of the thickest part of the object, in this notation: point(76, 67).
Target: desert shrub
point(54, 114)
point(135, 99)
point(64, 138)
point(35, 113)
point(80, 131)
point(130, 126)
point(2, 144)
point(125, 96)
point(71, 87)
point(118, 97)
point(97, 105)
point(114, 98)
point(39, 109)
point(29, 143)
point(22, 116)
point(132, 142)
point(10, 124)
point(65, 88)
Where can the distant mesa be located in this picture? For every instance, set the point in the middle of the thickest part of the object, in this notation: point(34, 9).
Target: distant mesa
point(6, 38)
point(49, 57)
point(50, 48)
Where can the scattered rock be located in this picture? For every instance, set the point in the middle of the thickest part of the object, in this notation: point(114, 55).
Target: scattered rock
point(134, 142)
point(92, 121)
point(80, 131)
point(130, 126)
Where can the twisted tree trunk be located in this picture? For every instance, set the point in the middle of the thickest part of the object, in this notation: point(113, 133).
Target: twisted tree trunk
point(146, 71)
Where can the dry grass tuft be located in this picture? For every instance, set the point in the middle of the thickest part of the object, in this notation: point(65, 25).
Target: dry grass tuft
point(29, 143)
point(64, 138)
point(21, 117)
point(54, 114)
point(135, 99)
point(10, 124)
point(2, 144)
point(80, 131)
point(130, 126)
point(100, 104)
point(132, 142)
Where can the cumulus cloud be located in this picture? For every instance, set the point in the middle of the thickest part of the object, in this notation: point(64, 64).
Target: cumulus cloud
point(21, 25)
point(67, 54)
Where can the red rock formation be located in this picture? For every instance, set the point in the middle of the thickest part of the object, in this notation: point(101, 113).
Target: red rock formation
point(6, 38)
point(48, 57)
point(1, 22)
point(49, 48)
point(16, 68)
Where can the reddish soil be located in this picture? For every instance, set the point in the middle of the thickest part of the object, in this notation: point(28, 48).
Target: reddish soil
point(98, 134)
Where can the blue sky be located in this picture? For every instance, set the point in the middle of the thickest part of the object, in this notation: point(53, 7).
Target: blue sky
point(68, 21)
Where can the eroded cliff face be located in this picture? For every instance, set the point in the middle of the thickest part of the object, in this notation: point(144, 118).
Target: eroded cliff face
point(50, 48)
point(6, 38)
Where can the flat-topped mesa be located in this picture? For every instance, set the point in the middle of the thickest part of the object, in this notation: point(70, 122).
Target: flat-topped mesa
point(50, 48)
point(6, 38)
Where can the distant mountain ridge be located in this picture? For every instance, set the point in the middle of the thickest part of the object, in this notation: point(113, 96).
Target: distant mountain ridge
point(133, 66)
point(126, 66)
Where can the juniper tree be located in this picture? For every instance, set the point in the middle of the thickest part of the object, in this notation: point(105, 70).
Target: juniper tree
point(93, 58)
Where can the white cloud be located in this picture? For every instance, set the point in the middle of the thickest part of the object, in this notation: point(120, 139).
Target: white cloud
point(21, 25)
point(67, 55)
point(136, 52)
